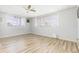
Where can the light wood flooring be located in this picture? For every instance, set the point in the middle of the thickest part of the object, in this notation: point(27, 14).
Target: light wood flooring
point(36, 44)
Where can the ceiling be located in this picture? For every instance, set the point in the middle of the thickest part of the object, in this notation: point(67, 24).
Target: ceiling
point(41, 9)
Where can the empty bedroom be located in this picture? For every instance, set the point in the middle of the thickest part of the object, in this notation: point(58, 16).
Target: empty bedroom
point(39, 29)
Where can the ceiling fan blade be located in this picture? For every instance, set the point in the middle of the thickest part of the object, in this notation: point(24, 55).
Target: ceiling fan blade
point(29, 6)
point(33, 10)
point(25, 8)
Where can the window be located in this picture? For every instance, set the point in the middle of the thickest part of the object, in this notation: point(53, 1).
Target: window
point(15, 21)
point(50, 21)
point(53, 21)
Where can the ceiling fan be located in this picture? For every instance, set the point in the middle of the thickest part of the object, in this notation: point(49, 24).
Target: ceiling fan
point(29, 9)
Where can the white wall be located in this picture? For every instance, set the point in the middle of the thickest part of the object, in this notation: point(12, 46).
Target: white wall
point(6, 31)
point(68, 24)
point(42, 28)
point(78, 23)
point(67, 28)
point(78, 29)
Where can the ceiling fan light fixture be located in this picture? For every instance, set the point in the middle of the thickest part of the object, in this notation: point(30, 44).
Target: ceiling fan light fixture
point(29, 9)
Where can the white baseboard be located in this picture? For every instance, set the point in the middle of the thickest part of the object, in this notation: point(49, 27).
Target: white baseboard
point(68, 39)
point(52, 36)
point(4, 36)
point(59, 37)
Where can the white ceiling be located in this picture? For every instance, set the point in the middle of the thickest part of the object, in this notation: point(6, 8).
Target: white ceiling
point(41, 9)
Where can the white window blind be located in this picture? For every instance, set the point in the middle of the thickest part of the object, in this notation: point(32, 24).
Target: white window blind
point(15, 21)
